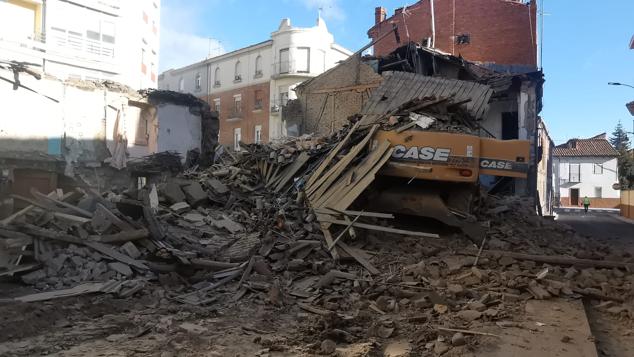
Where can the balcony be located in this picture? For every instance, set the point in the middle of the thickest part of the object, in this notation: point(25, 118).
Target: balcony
point(290, 68)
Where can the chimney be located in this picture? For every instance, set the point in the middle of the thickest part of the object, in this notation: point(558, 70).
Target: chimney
point(379, 14)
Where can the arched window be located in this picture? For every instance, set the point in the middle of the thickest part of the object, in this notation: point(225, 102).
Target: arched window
point(258, 66)
point(238, 72)
point(217, 77)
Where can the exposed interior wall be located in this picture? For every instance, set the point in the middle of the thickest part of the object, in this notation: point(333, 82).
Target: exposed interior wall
point(75, 122)
point(545, 189)
point(326, 112)
point(178, 129)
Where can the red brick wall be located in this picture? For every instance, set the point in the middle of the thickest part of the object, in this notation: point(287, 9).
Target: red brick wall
point(594, 202)
point(250, 116)
point(501, 31)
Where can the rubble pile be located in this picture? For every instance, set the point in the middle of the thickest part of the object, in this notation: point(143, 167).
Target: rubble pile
point(275, 225)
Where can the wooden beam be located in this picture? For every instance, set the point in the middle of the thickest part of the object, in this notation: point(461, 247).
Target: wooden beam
point(357, 87)
point(120, 237)
point(354, 253)
point(73, 208)
point(331, 155)
point(555, 259)
point(381, 228)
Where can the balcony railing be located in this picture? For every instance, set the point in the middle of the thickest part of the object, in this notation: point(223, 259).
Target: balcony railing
point(79, 44)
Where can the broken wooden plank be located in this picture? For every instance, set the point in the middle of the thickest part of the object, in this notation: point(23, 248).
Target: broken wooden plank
point(212, 264)
point(121, 224)
point(107, 250)
point(315, 310)
point(361, 175)
point(381, 228)
point(358, 257)
point(333, 174)
point(348, 227)
point(555, 259)
point(71, 217)
point(79, 211)
point(25, 210)
point(329, 240)
point(334, 212)
point(331, 155)
point(332, 275)
point(49, 234)
point(121, 237)
point(86, 288)
point(290, 172)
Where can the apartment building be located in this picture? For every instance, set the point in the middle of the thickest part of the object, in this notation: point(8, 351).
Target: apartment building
point(249, 86)
point(84, 39)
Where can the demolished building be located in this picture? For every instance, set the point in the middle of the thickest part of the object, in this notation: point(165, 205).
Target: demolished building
point(512, 110)
point(92, 129)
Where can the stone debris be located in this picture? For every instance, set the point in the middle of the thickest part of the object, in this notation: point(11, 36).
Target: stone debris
point(248, 228)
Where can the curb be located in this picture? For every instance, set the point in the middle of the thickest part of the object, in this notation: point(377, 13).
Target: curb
point(626, 220)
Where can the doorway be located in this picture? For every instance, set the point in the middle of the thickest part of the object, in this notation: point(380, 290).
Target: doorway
point(574, 197)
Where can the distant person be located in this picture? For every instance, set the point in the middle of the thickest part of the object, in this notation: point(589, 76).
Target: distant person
point(586, 203)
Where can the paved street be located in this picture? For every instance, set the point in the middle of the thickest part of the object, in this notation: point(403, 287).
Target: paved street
point(598, 225)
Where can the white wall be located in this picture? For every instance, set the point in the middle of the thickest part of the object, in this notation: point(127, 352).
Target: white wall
point(226, 64)
point(178, 129)
point(589, 180)
point(82, 119)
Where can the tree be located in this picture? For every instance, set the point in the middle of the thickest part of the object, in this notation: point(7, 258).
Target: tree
point(621, 143)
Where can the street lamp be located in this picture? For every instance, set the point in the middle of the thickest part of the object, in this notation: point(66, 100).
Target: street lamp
point(620, 84)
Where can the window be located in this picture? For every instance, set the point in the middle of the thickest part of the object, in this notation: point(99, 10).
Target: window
point(237, 105)
point(145, 17)
point(167, 86)
point(107, 32)
point(302, 61)
point(258, 100)
point(258, 134)
point(258, 66)
point(217, 105)
point(574, 173)
point(152, 72)
point(143, 59)
point(198, 81)
point(217, 77)
point(598, 169)
point(237, 75)
point(463, 39)
point(237, 136)
point(283, 65)
point(181, 85)
point(598, 192)
point(283, 98)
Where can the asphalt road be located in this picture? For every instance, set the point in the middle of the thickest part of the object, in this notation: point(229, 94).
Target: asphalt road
point(599, 225)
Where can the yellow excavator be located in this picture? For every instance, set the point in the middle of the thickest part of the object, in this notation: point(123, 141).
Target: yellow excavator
point(435, 174)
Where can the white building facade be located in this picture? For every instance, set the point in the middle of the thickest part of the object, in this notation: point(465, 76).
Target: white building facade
point(84, 39)
point(249, 86)
point(586, 168)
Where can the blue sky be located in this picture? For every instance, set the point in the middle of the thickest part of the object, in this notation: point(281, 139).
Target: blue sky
point(585, 46)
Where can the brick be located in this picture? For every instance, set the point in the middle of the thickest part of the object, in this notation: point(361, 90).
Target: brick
point(500, 31)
